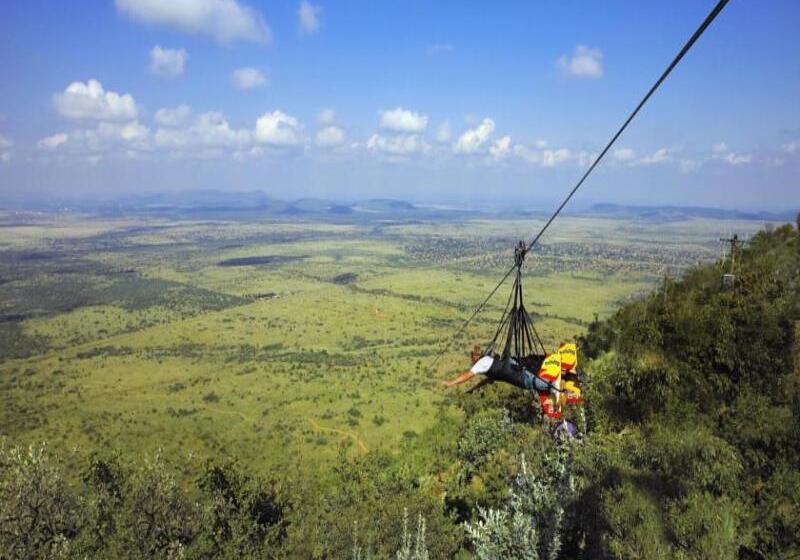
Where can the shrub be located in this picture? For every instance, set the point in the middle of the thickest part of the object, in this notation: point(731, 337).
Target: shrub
point(39, 512)
point(156, 520)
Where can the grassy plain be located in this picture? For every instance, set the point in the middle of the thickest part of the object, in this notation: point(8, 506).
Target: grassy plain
point(282, 343)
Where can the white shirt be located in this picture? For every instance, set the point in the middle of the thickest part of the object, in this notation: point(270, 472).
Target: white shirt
point(483, 365)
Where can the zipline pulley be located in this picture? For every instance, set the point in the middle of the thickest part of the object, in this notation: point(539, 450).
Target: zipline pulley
point(519, 254)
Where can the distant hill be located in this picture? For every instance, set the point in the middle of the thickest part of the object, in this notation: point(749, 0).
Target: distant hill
point(293, 210)
point(677, 213)
point(200, 199)
point(318, 205)
point(386, 205)
point(213, 204)
point(253, 204)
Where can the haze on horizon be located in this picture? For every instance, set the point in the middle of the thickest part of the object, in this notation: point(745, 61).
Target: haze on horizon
point(432, 102)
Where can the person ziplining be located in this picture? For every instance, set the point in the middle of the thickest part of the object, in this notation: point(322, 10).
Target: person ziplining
point(555, 379)
point(556, 382)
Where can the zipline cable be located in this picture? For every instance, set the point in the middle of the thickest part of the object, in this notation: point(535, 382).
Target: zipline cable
point(692, 40)
point(689, 44)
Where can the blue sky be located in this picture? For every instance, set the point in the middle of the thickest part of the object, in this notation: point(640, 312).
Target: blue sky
point(447, 102)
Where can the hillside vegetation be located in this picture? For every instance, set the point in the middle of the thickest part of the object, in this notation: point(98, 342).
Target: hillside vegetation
point(696, 399)
point(690, 451)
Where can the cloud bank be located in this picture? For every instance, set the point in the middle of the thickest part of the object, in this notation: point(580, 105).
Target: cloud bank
point(225, 21)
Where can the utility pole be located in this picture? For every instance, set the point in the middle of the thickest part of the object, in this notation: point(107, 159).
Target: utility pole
point(729, 279)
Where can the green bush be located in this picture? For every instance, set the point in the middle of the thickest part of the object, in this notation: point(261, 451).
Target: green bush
point(40, 514)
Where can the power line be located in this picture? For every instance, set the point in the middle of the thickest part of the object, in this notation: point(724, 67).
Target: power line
point(686, 47)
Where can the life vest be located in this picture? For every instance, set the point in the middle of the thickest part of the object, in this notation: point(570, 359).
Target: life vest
point(569, 356)
point(569, 378)
point(550, 371)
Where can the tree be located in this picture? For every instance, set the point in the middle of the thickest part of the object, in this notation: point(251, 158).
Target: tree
point(39, 514)
point(157, 520)
point(530, 525)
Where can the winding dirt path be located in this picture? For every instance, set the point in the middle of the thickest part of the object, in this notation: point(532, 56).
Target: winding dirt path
point(351, 435)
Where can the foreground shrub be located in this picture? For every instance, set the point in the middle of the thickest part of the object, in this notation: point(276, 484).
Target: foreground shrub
point(39, 514)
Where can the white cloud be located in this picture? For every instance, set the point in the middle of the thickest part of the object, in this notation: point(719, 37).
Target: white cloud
point(127, 132)
point(173, 117)
point(208, 135)
point(326, 116)
point(791, 147)
point(661, 155)
point(170, 63)
point(214, 130)
point(501, 148)
point(472, 140)
point(308, 17)
point(91, 101)
point(330, 136)
point(529, 155)
point(585, 159)
point(208, 130)
point(629, 157)
point(443, 133)
point(398, 145)
point(721, 152)
point(5, 144)
point(553, 158)
point(52, 142)
point(105, 138)
point(224, 20)
point(584, 63)
point(248, 78)
point(403, 120)
point(550, 157)
point(624, 155)
point(737, 159)
point(278, 129)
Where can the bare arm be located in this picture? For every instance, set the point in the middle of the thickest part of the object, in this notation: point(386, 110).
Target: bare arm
point(462, 378)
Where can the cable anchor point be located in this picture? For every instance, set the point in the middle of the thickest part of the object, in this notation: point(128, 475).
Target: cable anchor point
point(519, 253)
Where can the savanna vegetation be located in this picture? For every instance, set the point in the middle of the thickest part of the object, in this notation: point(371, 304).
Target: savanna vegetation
point(306, 425)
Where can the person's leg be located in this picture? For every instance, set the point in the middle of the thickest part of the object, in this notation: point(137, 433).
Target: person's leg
point(539, 384)
point(533, 382)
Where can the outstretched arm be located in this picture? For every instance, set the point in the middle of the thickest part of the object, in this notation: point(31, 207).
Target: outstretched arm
point(462, 378)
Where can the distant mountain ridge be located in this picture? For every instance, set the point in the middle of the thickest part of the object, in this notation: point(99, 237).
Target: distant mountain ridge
point(194, 201)
point(676, 213)
point(209, 200)
point(256, 204)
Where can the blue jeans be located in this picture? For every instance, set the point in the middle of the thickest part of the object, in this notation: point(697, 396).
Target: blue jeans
point(540, 384)
point(532, 382)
